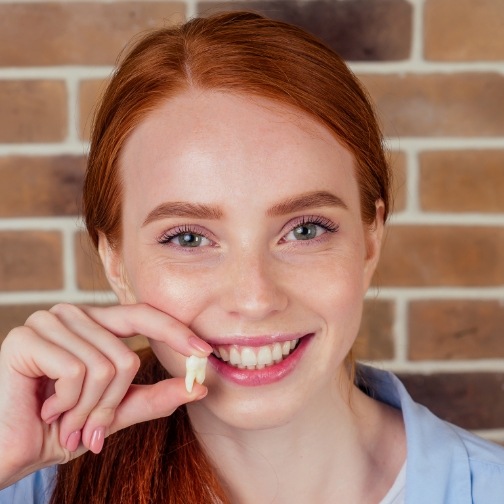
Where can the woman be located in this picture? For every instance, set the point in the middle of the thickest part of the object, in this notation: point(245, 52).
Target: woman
point(236, 191)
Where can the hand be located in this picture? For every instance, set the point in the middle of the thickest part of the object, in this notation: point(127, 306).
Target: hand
point(65, 382)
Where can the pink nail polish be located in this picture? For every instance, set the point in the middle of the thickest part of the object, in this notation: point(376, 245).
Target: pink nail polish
point(52, 419)
point(97, 440)
point(73, 441)
point(200, 345)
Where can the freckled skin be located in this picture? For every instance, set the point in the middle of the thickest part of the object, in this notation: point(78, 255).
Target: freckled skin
point(250, 276)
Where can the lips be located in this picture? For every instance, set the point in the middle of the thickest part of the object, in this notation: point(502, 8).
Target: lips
point(253, 364)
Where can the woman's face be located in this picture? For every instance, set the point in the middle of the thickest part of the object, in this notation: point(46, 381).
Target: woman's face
point(241, 219)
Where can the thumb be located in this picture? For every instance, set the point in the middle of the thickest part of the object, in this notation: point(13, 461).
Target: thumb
point(148, 402)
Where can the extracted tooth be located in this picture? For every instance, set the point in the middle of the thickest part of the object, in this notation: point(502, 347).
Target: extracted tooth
point(195, 370)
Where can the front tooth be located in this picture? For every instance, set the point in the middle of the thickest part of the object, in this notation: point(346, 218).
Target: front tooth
point(224, 354)
point(286, 348)
point(248, 357)
point(234, 356)
point(264, 356)
point(276, 353)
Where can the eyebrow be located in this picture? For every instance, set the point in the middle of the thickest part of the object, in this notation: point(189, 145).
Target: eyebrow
point(314, 199)
point(183, 209)
point(305, 201)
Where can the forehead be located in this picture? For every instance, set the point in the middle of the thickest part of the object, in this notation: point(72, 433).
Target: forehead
point(229, 142)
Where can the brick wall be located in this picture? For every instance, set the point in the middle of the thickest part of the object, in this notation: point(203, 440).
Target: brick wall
point(435, 69)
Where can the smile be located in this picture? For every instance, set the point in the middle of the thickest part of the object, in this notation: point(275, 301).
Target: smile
point(255, 357)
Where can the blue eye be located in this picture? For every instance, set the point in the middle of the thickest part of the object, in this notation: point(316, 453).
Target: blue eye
point(184, 237)
point(307, 231)
point(309, 228)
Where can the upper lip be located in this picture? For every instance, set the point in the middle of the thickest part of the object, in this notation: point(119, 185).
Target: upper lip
point(255, 341)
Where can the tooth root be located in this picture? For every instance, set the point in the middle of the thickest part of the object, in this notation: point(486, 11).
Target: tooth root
point(189, 380)
point(200, 375)
point(195, 370)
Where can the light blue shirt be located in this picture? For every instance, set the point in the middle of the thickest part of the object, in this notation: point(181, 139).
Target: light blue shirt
point(446, 464)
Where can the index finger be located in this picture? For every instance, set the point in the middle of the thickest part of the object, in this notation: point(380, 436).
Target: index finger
point(130, 320)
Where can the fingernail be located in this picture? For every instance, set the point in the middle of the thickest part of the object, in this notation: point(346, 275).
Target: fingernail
point(73, 441)
point(52, 419)
point(97, 440)
point(200, 345)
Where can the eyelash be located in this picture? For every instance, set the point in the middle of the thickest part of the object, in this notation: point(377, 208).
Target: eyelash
point(326, 224)
point(165, 238)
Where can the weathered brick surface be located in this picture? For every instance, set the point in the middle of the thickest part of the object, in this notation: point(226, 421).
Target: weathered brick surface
point(456, 329)
point(90, 92)
point(431, 105)
point(457, 256)
point(376, 339)
point(65, 33)
point(358, 30)
point(89, 270)
point(32, 110)
point(470, 400)
point(471, 30)
point(40, 186)
point(30, 260)
point(462, 181)
point(399, 170)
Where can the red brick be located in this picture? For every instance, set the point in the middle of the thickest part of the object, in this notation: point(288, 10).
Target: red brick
point(30, 260)
point(32, 110)
point(399, 170)
point(358, 30)
point(376, 340)
point(90, 92)
point(462, 181)
point(457, 256)
point(456, 329)
point(468, 30)
point(40, 186)
point(432, 105)
point(89, 269)
point(69, 33)
point(470, 400)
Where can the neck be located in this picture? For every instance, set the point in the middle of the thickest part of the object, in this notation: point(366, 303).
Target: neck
point(346, 448)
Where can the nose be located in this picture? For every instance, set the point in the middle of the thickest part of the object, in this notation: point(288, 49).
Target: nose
point(252, 287)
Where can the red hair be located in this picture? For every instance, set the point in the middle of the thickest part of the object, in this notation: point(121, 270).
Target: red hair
point(238, 52)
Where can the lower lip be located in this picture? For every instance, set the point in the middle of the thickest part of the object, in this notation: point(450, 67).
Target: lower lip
point(264, 376)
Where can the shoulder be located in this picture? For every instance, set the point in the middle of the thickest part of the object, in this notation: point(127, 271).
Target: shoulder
point(445, 463)
point(35, 488)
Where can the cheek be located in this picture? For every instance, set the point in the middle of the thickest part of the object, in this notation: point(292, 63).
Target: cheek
point(174, 290)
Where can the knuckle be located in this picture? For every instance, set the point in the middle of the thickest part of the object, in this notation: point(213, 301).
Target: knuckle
point(102, 370)
point(39, 318)
point(129, 363)
point(62, 309)
point(75, 369)
point(17, 337)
